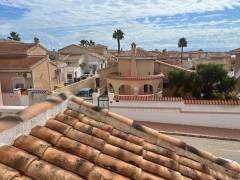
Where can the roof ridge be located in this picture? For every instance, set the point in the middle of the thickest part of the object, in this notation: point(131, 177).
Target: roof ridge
point(178, 143)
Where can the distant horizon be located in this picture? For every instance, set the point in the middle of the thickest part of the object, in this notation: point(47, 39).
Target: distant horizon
point(211, 25)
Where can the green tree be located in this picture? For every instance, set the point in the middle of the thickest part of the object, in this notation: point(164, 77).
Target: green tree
point(86, 43)
point(210, 81)
point(14, 36)
point(180, 83)
point(182, 42)
point(164, 51)
point(118, 35)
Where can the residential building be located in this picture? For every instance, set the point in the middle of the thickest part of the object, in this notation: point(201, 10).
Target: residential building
point(26, 65)
point(214, 58)
point(236, 52)
point(135, 73)
point(80, 60)
point(71, 139)
point(140, 72)
point(192, 59)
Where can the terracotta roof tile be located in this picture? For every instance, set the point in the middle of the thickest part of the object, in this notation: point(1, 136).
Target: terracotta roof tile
point(139, 52)
point(15, 47)
point(98, 144)
point(145, 98)
point(44, 170)
point(7, 172)
point(19, 63)
point(213, 102)
point(176, 99)
point(149, 77)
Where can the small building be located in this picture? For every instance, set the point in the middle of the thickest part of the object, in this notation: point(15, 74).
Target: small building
point(135, 74)
point(26, 65)
point(82, 60)
point(214, 58)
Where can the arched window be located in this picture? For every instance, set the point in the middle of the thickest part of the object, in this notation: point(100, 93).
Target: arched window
point(125, 90)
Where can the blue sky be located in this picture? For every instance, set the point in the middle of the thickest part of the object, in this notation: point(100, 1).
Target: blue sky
point(212, 25)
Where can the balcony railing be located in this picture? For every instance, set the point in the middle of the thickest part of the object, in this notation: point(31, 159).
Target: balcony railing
point(148, 77)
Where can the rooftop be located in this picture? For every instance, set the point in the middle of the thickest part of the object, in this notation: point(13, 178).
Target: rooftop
point(9, 47)
point(19, 63)
point(139, 52)
point(148, 77)
point(86, 142)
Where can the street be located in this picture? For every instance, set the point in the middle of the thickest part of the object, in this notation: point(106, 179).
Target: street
point(222, 148)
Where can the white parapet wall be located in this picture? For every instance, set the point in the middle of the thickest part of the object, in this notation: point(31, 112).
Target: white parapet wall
point(177, 112)
point(9, 134)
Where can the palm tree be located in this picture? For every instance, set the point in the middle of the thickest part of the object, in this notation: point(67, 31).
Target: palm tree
point(182, 42)
point(14, 36)
point(118, 35)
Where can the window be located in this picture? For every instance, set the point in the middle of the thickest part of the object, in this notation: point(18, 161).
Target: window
point(69, 76)
point(148, 89)
point(19, 85)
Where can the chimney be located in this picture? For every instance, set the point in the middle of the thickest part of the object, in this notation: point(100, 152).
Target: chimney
point(133, 46)
point(133, 60)
point(36, 40)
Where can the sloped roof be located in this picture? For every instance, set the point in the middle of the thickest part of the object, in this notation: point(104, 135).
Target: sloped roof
point(139, 52)
point(237, 50)
point(15, 47)
point(87, 142)
point(19, 63)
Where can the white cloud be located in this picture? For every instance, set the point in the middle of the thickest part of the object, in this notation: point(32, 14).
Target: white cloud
point(59, 23)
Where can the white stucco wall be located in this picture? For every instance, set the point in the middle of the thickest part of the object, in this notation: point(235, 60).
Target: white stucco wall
point(221, 116)
point(7, 136)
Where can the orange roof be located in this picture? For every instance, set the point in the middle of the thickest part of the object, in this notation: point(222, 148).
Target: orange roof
point(193, 101)
point(19, 63)
point(148, 77)
point(236, 50)
point(94, 143)
point(139, 53)
point(146, 98)
point(8, 47)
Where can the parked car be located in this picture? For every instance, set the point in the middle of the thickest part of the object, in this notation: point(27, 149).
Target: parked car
point(85, 92)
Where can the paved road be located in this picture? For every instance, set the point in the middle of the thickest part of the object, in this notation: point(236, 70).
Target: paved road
point(222, 148)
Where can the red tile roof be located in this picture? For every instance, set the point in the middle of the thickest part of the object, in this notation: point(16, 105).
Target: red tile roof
point(213, 102)
point(149, 77)
point(138, 53)
point(19, 63)
point(236, 50)
point(15, 47)
point(193, 101)
point(93, 143)
point(146, 98)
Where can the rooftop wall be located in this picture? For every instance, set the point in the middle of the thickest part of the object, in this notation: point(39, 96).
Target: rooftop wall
point(12, 126)
point(179, 112)
point(75, 87)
